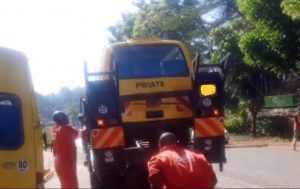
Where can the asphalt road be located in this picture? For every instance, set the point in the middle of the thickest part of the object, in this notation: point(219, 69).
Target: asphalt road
point(266, 167)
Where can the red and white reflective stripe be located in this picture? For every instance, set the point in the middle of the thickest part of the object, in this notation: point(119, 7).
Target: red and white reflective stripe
point(127, 108)
point(207, 127)
point(108, 137)
point(184, 104)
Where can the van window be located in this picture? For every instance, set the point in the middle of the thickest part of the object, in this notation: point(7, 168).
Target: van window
point(147, 61)
point(11, 125)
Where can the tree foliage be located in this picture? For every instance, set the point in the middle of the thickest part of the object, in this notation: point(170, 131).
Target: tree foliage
point(291, 8)
point(264, 44)
point(273, 43)
point(169, 19)
point(172, 19)
point(65, 100)
point(123, 30)
point(226, 39)
point(225, 10)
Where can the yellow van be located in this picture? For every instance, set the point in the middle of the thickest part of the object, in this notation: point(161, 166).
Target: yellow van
point(21, 155)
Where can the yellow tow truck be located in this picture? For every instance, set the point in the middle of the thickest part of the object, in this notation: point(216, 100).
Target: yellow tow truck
point(146, 87)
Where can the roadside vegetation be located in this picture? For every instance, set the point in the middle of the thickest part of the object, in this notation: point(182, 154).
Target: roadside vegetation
point(67, 100)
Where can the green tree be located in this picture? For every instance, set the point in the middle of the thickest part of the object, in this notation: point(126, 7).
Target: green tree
point(273, 43)
point(224, 10)
point(173, 19)
point(65, 100)
point(240, 83)
point(264, 44)
point(123, 30)
point(291, 8)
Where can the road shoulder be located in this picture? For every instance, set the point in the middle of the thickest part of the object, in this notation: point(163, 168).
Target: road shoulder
point(248, 141)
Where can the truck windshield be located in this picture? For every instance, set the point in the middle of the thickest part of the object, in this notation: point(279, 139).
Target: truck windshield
point(148, 61)
point(11, 126)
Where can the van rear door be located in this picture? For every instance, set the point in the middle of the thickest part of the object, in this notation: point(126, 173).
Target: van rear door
point(17, 148)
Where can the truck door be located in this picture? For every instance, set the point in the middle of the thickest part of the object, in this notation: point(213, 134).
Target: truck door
point(209, 101)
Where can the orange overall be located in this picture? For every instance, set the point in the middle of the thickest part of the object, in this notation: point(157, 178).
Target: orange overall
point(64, 151)
point(176, 167)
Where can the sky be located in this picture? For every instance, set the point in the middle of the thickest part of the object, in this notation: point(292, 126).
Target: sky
point(57, 36)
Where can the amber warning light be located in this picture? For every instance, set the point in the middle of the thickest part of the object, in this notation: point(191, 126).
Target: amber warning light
point(208, 90)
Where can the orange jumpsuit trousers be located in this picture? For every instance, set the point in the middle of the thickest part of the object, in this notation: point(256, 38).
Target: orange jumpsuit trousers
point(64, 151)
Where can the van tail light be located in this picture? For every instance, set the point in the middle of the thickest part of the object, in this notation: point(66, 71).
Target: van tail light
point(39, 180)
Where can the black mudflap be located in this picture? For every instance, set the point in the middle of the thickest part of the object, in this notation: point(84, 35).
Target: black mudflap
point(212, 147)
point(129, 173)
point(136, 174)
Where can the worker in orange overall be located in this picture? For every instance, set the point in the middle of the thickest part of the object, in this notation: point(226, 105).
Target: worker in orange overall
point(176, 167)
point(64, 150)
